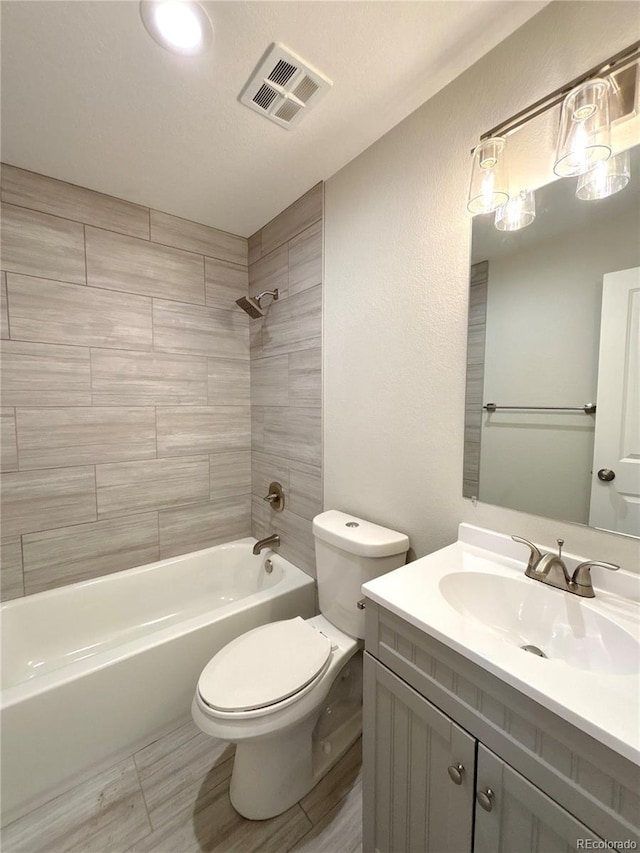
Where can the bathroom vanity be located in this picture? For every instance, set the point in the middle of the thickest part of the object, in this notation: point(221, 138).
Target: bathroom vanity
point(471, 743)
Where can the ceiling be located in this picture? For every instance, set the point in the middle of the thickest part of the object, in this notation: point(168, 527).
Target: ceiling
point(88, 97)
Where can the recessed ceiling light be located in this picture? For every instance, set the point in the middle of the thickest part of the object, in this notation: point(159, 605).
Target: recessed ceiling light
point(181, 26)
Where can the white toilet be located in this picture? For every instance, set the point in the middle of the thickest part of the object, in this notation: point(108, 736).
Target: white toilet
point(289, 693)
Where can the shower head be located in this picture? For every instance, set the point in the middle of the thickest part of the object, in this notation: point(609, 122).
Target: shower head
point(252, 304)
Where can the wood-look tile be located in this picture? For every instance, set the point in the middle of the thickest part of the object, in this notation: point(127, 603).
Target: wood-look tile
point(294, 323)
point(4, 314)
point(152, 379)
point(8, 443)
point(224, 283)
point(298, 544)
point(200, 331)
point(71, 554)
point(38, 192)
point(305, 490)
point(57, 438)
point(126, 487)
point(296, 218)
point(117, 262)
point(269, 273)
point(257, 428)
point(228, 382)
point(476, 344)
point(479, 273)
point(294, 433)
point(265, 469)
point(42, 500)
point(338, 782)
point(255, 338)
point(107, 813)
point(478, 303)
point(260, 519)
point(305, 378)
point(45, 375)
point(184, 234)
point(185, 430)
point(51, 312)
point(39, 244)
point(230, 474)
point(203, 525)
point(340, 829)
point(255, 247)
point(11, 581)
point(270, 381)
point(305, 259)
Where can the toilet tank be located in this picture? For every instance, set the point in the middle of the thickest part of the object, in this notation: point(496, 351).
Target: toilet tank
point(350, 552)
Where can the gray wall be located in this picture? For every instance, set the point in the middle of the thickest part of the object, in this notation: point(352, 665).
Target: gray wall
point(125, 385)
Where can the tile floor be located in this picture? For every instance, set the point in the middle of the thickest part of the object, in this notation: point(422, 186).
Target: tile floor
point(173, 797)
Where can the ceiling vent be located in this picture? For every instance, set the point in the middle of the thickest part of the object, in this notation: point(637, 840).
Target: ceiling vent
point(284, 87)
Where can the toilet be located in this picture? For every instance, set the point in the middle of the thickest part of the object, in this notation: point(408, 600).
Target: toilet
point(289, 693)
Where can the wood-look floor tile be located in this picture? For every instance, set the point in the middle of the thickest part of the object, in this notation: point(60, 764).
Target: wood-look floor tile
point(305, 378)
point(38, 192)
point(71, 554)
point(11, 580)
point(8, 445)
point(228, 382)
point(4, 314)
point(305, 489)
point(339, 831)
point(200, 331)
point(296, 218)
point(203, 525)
point(270, 273)
point(270, 381)
point(230, 474)
point(305, 259)
point(122, 378)
point(45, 375)
point(224, 283)
point(294, 434)
point(293, 324)
point(38, 244)
point(107, 813)
point(185, 430)
point(184, 234)
point(335, 785)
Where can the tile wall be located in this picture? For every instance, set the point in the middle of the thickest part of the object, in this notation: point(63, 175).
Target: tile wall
point(126, 427)
point(286, 376)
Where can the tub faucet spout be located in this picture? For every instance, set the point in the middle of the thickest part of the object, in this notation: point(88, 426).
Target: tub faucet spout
point(268, 542)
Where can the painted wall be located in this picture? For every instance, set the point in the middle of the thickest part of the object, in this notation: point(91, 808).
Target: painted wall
point(397, 240)
point(125, 385)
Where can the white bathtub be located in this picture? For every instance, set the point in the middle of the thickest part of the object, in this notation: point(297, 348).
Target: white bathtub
point(95, 670)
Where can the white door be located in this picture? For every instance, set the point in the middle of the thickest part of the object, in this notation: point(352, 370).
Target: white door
point(615, 485)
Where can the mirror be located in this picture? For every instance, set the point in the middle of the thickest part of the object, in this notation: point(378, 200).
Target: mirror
point(554, 343)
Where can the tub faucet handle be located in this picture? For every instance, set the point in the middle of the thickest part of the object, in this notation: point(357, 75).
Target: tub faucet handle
point(275, 497)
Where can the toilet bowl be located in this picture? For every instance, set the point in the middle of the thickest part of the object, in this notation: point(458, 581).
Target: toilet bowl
point(289, 693)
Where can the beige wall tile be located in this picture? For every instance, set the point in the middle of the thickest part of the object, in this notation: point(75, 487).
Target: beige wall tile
point(116, 262)
point(57, 438)
point(261, 518)
point(296, 218)
point(305, 490)
point(294, 434)
point(255, 247)
point(50, 312)
point(294, 323)
point(72, 554)
point(8, 445)
point(305, 377)
point(297, 542)
point(269, 273)
point(224, 283)
point(255, 338)
point(270, 381)
point(42, 500)
point(152, 379)
point(173, 231)
point(4, 315)
point(45, 375)
point(38, 192)
point(230, 474)
point(228, 382)
point(125, 487)
point(305, 259)
point(38, 244)
point(203, 525)
point(200, 331)
point(265, 469)
point(11, 583)
point(257, 428)
point(185, 430)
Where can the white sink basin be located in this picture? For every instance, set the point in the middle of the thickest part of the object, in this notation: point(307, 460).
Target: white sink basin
point(527, 613)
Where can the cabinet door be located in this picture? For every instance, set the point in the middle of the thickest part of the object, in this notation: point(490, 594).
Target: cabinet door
point(411, 803)
point(521, 818)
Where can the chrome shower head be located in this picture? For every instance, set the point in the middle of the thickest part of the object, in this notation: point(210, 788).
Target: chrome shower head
point(252, 304)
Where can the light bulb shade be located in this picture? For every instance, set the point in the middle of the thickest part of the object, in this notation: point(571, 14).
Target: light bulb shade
point(606, 178)
point(585, 129)
point(517, 213)
point(489, 180)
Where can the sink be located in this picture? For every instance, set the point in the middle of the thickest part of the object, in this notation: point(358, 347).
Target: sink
point(561, 626)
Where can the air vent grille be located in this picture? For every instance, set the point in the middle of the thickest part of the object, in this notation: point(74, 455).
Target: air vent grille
point(284, 87)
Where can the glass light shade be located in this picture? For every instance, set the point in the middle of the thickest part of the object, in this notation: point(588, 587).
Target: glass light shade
point(606, 178)
point(489, 181)
point(181, 26)
point(585, 129)
point(517, 213)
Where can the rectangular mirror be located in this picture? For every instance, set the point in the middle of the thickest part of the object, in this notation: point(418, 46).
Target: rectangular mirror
point(554, 345)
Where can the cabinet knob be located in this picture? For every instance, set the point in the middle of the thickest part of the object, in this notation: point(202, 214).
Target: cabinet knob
point(455, 772)
point(485, 799)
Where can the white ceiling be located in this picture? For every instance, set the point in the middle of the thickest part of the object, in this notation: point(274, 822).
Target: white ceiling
point(89, 98)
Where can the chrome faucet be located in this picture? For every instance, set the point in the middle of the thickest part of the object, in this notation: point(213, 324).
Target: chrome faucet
point(268, 542)
point(551, 569)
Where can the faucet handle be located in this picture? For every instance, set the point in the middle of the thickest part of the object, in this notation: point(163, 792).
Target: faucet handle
point(582, 573)
point(535, 556)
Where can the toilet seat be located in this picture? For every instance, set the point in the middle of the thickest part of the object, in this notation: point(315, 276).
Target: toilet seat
point(265, 667)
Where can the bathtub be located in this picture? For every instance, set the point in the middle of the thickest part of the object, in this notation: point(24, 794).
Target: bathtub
point(93, 671)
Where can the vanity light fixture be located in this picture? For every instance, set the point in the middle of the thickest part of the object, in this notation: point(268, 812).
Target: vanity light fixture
point(181, 26)
point(585, 129)
point(606, 178)
point(517, 213)
point(489, 180)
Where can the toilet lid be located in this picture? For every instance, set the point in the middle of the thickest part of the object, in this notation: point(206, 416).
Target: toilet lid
point(264, 666)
